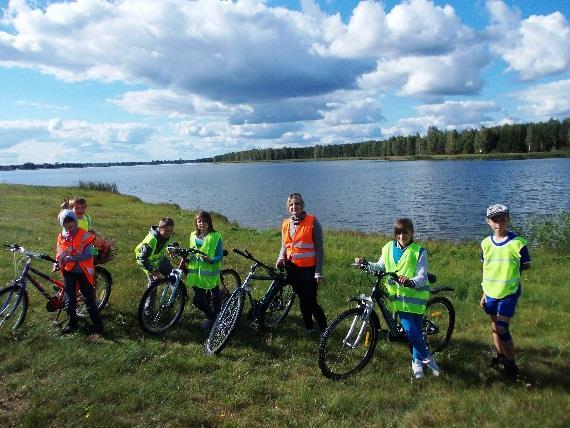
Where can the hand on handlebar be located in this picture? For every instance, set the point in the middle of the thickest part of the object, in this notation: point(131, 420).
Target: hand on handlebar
point(405, 281)
point(280, 264)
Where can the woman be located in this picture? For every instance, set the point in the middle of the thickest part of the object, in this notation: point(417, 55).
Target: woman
point(302, 256)
point(204, 271)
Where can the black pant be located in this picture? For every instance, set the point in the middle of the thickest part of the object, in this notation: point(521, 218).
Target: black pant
point(70, 280)
point(305, 286)
point(202, 301)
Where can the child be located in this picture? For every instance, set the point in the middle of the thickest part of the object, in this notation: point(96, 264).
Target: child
point(411, 292)
point(504, 256)
point(74, 257)
point(204, 271)
point(84, 220)
point(151, 252)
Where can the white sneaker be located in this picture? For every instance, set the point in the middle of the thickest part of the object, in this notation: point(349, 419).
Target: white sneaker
point(433, 366)
point(418, 369)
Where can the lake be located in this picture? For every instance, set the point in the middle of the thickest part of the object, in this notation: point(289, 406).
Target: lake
point(445, 199)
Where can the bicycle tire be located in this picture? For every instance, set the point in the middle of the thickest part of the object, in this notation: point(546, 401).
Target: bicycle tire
point(157, 312)
point(103, 282)
point(10, 319)
point(438, 324)
point(225, 323)
point(278, 306)
point(229, 281)
point(338, 360)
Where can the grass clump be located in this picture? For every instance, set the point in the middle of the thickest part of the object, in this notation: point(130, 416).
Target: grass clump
point(98, 185)
point(552, 232)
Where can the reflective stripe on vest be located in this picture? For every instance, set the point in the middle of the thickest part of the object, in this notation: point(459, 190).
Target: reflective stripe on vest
point(153, 259)
point(202, 274)
point(301, 248)
point(501, 267)
point(75, 247)
point(405, 299)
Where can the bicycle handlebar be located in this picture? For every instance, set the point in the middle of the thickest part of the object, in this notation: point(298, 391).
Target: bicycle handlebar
point(183, 252)
point(30, 254)
point(272, 271)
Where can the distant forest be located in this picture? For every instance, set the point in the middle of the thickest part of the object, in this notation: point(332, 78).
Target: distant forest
point(517, 138)
point(520, 138)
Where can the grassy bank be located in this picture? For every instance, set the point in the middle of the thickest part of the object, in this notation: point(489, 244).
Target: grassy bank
point(270, 379)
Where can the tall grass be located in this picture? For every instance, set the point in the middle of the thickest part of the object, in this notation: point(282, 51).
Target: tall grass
point(552, 232)
point(270, 378)
point(98, 185)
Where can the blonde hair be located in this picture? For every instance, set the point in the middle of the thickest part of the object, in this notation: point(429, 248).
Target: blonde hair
point(298, 197)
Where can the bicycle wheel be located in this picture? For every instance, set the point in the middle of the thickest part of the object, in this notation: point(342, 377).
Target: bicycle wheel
point(161, 306)
point(225, 323)
point(103, 283)
point(278, 306)
point(12, 308)
point(229, 281)
point(439, 320)
point(347, 344)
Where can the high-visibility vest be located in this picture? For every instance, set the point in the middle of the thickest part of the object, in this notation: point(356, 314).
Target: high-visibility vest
point(202, 274)
point(301, 249)
point(405, 299)
point(75, 247)
point(154, 258)
point(501, 267)
point(85, 223)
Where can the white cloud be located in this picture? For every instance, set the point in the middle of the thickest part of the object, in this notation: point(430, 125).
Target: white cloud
point(545, 101)
point(534, 47)
point(447, 115)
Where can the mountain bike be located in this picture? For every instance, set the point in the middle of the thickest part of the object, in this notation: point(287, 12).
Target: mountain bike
point(268, 312)
point(348, 343)
point(163, 301)
point(14, 298)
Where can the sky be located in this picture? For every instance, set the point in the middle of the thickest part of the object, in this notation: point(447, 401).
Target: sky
point(140, 80)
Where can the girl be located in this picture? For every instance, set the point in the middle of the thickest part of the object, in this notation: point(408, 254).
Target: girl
point(204, 271)
point(410, 293)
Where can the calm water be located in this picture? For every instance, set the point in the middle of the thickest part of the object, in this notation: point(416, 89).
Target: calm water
point(445, 199)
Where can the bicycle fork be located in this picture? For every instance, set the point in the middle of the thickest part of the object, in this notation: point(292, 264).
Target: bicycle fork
point(363, 331)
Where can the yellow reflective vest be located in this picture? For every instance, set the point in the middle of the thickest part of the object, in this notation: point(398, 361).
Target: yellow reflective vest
point(405, 299)
point(501, 267)
point(202, 274)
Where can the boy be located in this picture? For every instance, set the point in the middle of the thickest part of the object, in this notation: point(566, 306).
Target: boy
point(504, 256)
point(151, 252)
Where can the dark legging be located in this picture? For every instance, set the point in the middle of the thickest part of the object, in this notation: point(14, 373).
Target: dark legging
point(69, 283)
point(305, 286)
point(202, 301)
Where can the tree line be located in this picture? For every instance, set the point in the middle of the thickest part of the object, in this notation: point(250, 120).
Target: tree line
point(32, 165)
point(513, 138)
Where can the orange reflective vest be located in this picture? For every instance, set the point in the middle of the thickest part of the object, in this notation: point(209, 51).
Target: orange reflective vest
point(76, 247)
point(301, 248)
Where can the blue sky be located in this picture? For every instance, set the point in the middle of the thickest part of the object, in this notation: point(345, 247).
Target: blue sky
point(124, 80)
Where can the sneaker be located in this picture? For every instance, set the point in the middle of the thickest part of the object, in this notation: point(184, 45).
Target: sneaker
point(433, 366)
point(511, 369)
point(69, 328)
point(418, 369)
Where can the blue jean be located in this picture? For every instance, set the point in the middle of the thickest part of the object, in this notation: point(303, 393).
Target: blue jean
point(412, 324)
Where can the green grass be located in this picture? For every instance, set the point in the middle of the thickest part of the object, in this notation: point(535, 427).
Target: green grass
point(272, 378)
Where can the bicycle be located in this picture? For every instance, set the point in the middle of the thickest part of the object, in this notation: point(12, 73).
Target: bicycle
point(163, 301)
point(348, 343)
point(267, 312)
point(14, 298)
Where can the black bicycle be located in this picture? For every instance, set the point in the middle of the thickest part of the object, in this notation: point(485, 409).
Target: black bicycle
point(14, 297)
point(265, 313)
point(348, 343)
point(163, 301)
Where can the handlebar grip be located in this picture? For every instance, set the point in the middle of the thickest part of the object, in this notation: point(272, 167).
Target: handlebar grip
point(48, 258)
point(225, 253)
